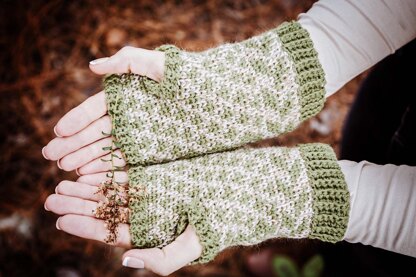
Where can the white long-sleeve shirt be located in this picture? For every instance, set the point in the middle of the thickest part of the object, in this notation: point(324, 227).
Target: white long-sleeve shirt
point(350, 36)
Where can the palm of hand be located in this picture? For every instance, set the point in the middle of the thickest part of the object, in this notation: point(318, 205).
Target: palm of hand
point(79, 146)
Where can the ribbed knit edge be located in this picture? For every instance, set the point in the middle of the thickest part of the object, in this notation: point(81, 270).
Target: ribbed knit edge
point(113, 85)
point(169, 87)
point(140, 220)
point(310, 75)
point(331, 198)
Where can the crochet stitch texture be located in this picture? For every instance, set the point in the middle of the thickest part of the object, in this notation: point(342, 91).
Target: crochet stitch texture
point(218, 99)
point(241, 197)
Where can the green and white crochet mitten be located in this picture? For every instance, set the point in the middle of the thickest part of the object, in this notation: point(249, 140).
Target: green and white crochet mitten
point(218, 99)
point(240, 197)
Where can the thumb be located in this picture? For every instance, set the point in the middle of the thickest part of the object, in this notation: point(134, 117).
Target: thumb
point(172, 257)
point(149, 63)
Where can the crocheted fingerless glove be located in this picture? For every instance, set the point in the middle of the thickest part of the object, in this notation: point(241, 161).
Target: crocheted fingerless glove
point(218, 99)
point(240, 197)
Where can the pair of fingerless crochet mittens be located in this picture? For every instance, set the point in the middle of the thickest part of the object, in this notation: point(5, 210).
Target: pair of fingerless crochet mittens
point(178, 138)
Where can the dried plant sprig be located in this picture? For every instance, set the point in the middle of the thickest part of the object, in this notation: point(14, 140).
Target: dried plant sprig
point(114, 208)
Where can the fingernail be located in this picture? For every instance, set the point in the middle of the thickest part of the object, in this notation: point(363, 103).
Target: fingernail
point(57, 224)
point(43, 153)
point(56, 190)
point(58, 164)
point(133, 262)
point(56, 133)
point(46, 208)
point(76, 171)
point(99, 61)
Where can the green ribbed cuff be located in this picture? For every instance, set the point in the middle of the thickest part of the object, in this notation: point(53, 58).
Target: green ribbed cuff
point(331, 198)
point(114, 85)
point(141, 221)
point(310, 75)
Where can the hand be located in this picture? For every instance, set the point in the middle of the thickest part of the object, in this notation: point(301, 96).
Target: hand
point(80, 140)
point(74, 202)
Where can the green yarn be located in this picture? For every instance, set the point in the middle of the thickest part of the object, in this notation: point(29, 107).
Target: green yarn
point(218, 99)
point(241, 197)
point(310, 75)
point(331, 197)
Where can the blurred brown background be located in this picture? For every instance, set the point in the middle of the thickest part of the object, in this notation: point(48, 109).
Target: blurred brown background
point(45, 50)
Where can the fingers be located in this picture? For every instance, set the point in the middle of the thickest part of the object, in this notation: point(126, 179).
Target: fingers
point(172, 257)
point(62, 204)
point(97, 178)
point(86, 154)
point(59, 147)
point(79, 190)
point(92, 228)
point(103, 164)
point(141, 61)
point(144, 62)
point(81, 116)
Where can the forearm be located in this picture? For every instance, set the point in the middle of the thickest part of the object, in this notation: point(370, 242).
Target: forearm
point(383, 206)
point(350, 36)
